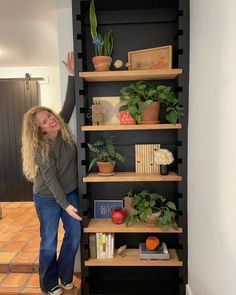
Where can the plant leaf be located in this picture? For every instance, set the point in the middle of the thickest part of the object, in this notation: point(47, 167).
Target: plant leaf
point(93, 19)
point(172, 117)
point(171, 205)
point(123, 108)
point(93, 148)
point(120, 157)
point(111, 150)
point(92, 162)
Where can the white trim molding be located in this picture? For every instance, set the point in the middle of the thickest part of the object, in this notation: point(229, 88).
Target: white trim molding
point(188, 290)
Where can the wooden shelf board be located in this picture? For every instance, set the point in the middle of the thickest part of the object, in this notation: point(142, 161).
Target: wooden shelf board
point(130, 127)
point(132, 259)
point(130, 75)
point(131, 176)
point(105, 225)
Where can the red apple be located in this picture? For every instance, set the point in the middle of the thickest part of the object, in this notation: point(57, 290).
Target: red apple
point(118, 216)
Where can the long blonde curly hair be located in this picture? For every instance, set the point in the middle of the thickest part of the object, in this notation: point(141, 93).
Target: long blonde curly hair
point(33, 139)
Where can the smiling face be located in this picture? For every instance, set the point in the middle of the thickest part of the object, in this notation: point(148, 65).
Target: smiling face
point(48, 123)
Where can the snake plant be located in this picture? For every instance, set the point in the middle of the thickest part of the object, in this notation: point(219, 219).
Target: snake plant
point(102, 45)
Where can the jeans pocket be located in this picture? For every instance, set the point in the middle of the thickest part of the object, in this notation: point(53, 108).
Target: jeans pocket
point(44, 203)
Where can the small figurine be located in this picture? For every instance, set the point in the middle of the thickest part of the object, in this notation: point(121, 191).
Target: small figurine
point(128, 65)
point(118, 64)
point(122, 251)
point(97, 113)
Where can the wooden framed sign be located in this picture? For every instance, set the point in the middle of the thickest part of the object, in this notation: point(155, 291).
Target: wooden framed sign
point(152, 58)
point(103, 208)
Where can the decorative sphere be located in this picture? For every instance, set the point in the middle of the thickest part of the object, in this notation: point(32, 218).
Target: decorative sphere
point(118, 216)
point(118, 63)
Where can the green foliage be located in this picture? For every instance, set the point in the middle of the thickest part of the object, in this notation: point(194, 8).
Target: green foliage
point(93, 19)
point(105, 151)
point(106, 46)
point(148, 92)
point(145, 203)
point(103, 45)
point(130, 193)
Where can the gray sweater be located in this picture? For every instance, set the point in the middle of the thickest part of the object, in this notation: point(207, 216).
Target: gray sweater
point(58, 176)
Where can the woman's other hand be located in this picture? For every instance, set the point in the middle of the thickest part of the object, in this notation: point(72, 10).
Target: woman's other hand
point(69, 63)
point(72, 211)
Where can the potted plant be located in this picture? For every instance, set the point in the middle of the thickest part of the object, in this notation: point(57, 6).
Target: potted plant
point(163, 157)
point(103, 45)
point(152, 209)
point(143, 100)
point(106, 154)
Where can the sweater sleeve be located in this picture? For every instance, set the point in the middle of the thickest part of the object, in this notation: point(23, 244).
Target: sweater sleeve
point(69, 102)
point(49, 174)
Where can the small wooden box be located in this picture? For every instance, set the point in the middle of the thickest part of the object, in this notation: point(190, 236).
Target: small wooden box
point(152, 58)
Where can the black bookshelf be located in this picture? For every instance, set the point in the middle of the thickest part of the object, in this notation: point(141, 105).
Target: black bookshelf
point(135, 25)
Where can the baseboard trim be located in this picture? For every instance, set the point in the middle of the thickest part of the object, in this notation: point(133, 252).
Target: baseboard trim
point(188, 290)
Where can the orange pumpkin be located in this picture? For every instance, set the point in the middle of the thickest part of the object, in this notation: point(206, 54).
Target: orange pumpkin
point(152, 243)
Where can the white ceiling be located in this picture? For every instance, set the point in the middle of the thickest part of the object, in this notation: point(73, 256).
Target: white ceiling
point(28, 33)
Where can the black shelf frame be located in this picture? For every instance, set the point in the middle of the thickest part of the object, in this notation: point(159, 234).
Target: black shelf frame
point(116, 12)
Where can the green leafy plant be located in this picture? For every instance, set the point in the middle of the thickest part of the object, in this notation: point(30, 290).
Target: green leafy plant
point(105, 151)
point(102, 45)
point(145, 203)
point(148, 92)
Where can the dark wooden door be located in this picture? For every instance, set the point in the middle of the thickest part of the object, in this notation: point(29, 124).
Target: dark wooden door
point(16, 97)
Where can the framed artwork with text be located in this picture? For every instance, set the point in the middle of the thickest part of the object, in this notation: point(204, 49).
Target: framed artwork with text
point(103, 208)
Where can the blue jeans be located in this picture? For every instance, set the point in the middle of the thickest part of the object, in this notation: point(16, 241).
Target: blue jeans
point(49, 213)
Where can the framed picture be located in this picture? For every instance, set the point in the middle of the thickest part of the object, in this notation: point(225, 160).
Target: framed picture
point(111, 105)
point(103, 208)
point(151, 58)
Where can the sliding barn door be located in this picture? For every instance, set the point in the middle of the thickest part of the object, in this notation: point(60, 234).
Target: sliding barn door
point(16, 97)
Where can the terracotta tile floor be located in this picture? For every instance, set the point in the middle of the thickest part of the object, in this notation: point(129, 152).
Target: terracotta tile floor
point(19, 246)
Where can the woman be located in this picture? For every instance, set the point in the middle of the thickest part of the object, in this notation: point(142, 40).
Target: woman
point(50, 162)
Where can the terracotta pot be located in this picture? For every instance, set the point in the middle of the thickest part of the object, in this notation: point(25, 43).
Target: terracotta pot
point(106, 167)
point(151, 114)
point(102, 63)
point(151, 221)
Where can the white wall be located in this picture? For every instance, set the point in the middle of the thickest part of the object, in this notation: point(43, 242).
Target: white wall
point(212, 157)
point(28, 31)
point(29, 44)
point(65, 41)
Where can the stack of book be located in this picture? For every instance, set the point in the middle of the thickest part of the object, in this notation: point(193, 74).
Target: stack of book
point(161, 252)
point(101, 245)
